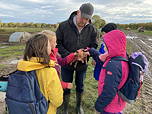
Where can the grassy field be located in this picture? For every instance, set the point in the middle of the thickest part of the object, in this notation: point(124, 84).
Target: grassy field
point(11, 51)
point(146, 32)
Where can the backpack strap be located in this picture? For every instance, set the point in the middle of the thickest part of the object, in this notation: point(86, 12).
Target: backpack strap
point(119, 58)
point(5, 77)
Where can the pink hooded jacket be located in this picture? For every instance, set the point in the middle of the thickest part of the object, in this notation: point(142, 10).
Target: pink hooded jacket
point(114, 76)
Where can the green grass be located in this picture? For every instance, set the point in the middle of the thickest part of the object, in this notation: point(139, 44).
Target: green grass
point(90, 93)
point(2, 66)
point(11, 51)
point(146, 32)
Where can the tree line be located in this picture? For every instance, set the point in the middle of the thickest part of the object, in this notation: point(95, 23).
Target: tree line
point(146, 26)
point(96, 20)
point(31, 25)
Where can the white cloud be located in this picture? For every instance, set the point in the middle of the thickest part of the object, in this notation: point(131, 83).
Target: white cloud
point(7, 6)
point(47, 6)
point(39, 12)
point(124, 10)
point(35, 1)
point(59, 10)
point(99, 7)
point(5, 15)
point(148, 2)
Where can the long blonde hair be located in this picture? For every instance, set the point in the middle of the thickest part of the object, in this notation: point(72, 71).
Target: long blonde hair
point(50, 34)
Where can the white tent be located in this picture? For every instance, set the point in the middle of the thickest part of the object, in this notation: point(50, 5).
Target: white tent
point(19, 37)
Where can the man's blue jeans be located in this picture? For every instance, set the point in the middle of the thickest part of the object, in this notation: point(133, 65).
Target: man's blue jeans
point(67, 76)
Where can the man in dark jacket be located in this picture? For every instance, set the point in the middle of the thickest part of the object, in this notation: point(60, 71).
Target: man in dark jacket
point(73, 34)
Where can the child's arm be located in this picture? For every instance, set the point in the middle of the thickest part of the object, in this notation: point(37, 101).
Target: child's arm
point(63, 84)
point(95, 55)
point(68, 59)
point(99, 58)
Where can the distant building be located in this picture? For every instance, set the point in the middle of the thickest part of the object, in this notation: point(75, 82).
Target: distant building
point(140, 29)
point(21, 37)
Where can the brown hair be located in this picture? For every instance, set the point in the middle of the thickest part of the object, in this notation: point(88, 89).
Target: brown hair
point(37, 47)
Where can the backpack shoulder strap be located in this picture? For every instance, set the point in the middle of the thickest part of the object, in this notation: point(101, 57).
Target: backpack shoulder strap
point(119, 58)
point(5, 77)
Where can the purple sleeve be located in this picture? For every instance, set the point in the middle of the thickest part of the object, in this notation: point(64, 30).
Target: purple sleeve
point(62, 61)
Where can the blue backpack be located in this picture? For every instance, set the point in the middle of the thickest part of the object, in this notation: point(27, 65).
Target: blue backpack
point(137, 62)
point(23, 95)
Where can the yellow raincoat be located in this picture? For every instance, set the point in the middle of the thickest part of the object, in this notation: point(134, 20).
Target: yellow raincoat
point(48, 80)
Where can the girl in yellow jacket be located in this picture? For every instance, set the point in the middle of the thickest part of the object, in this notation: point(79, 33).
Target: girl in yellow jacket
point(36, 57)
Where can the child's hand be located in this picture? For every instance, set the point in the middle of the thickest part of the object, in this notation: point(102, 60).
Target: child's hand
point(103, 57)
point(70, 85)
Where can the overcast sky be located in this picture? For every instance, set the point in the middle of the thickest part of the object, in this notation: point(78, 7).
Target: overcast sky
point(53, 11)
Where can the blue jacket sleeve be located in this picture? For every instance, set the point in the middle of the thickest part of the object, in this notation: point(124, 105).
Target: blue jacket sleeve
point(111, 82)
point(95, 55)
point(101, 50)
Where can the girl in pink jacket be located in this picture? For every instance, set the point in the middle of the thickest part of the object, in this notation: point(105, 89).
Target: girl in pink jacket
point(113, 75)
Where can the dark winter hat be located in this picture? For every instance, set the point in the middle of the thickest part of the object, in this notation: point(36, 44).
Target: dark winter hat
point(86, 10)
point(109, 27)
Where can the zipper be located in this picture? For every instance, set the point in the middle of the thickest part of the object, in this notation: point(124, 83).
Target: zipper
point(78, 42)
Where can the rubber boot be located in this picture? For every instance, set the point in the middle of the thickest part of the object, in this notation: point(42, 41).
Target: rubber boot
point(66, 99)
point(79, 109)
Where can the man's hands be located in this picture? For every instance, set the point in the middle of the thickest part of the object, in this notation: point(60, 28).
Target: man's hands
point(82, 55)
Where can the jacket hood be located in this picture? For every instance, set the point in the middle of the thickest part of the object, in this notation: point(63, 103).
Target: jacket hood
point(53, 55)
point(32, 64)
point(72, 15)
point(116, 43)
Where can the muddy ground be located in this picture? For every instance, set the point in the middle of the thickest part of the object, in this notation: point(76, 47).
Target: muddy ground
point(143, 105)
point(138, 42)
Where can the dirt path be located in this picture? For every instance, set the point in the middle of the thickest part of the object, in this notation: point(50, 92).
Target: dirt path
point(144, 104)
